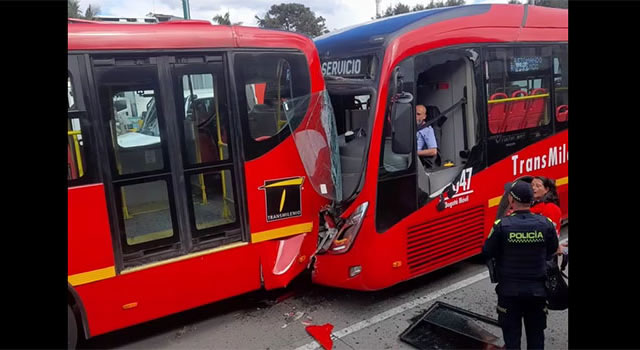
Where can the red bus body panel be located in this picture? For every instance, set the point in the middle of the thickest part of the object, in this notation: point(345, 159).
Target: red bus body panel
point(89, 236)
point(501, 24)
point(166, 287)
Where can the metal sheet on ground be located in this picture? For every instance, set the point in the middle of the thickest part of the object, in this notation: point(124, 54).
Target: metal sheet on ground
point(445, 326)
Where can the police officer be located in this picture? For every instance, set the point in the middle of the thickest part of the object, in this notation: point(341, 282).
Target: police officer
point(521, 243)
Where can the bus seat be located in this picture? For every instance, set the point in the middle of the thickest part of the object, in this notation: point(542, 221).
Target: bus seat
point(535, 112)
point(517, 112)
point(262, 121)
point(497, 113)
point(562, 113)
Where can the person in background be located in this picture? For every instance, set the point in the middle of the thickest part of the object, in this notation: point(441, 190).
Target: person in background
point(545, 200)
point(521, 245)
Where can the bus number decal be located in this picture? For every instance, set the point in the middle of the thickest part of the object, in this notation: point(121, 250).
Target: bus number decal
point(462, 189)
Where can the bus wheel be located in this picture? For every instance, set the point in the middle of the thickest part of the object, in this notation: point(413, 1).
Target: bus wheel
point(72, 329)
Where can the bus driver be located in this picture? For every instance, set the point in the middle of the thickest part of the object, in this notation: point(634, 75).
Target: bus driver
point(427, 146)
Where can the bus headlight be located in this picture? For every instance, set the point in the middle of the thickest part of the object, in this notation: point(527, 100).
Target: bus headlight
point(347, 234)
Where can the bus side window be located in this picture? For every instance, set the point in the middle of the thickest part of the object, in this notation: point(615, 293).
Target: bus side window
point(561, 87)
point(76, 164)
point(518, 88)
point(265, 81)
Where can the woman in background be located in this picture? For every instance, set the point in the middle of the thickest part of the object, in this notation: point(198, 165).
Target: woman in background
point(545, 200)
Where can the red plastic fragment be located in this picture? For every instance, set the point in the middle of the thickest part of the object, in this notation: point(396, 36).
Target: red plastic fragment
point(322, 334)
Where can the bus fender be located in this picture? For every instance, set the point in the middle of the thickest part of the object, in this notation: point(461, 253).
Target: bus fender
point(73, 299)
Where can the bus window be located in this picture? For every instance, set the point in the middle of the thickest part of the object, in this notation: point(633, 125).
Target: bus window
point(211, 199)
point(205, 122)
point(264, 82)
point(135, 131)
point(145, 208)
point(76, 165)
point(518, 87)
point(561, 87)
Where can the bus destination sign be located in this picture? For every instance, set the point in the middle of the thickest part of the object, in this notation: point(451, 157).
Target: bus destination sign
point(347, 67)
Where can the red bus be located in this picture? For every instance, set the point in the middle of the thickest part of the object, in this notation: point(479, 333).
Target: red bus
point(182, 187)
point(494, 81)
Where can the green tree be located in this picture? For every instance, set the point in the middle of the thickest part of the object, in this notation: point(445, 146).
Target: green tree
point(396, 10)
point(294, 18)
point(454, 3)
point(73, 9)
point(91, 11)
point(402, 8)
point(433, 5)
point(563, 4)
point(224, 19)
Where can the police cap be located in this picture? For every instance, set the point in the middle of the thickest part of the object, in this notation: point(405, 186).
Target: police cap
point(521, 191)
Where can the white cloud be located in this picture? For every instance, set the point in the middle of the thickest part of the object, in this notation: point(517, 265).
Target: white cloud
point(338, 13)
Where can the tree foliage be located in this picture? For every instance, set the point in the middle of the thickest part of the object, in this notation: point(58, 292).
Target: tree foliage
point(396, 10)
point(91, 11)
point(402, 8)
point(562, 4)
point(225, 20)
point(73, 10)
point(294, 18)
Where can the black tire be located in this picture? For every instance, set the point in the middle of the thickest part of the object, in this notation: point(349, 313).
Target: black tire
point(72, 329)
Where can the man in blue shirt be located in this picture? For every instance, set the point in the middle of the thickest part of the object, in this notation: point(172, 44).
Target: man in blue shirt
point(427, 146)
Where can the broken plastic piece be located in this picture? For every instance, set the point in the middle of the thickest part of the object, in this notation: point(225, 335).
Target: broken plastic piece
point(322, 334)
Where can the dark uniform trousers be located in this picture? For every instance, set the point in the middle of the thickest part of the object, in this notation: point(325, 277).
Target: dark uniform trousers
point(511, 311)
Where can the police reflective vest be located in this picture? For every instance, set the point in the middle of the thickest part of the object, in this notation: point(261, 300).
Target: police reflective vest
point(521, 244)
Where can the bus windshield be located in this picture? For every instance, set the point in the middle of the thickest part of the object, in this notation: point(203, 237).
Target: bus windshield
point(315, 136)
point(333, 138)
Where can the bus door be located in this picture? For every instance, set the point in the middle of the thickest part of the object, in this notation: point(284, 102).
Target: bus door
point(171, 171)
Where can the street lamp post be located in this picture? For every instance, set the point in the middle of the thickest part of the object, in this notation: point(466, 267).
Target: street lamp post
point(185, 9)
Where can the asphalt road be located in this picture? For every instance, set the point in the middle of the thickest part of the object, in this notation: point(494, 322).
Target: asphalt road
point(361, 320)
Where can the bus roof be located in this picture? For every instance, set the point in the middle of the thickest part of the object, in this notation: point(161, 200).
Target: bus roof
point(186, 34)
point(379, 33)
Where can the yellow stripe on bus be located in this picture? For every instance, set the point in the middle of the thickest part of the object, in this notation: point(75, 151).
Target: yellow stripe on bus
point(281, 232)
point(184, 257)
point(297, 181)
point(91, 276)
point(562, 181)
point(496, 200)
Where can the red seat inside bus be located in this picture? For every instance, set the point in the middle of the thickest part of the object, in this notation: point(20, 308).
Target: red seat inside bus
point(535, 112)
point(562, 113)
point(497, 113)
point(517, 112)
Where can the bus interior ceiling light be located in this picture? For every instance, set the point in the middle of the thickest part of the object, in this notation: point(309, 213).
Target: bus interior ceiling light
point(347, 234)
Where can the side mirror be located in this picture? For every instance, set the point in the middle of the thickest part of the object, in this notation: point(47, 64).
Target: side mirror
point(403, 124)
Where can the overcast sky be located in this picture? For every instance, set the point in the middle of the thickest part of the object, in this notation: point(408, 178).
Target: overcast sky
point(338, 13)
